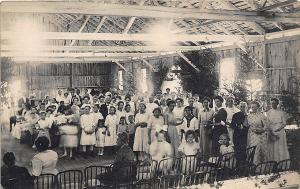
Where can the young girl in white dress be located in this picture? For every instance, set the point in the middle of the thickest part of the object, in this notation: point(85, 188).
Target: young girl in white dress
point(156, 122)
point(122, 126)
point(140, 144)
point(111, 123)
point(88, 137)
point(43, 126)
point(189, 148)
point(100, 137)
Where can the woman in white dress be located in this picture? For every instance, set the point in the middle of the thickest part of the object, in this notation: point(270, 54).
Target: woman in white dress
point(111, 122)
point(156, 121)
point(120, 110)
point(45, 161)
point(88, 137)
point(141, 134)
point(69, 138)
point(277, 144)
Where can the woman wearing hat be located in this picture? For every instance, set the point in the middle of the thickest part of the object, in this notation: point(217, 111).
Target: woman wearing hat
point(257, 133)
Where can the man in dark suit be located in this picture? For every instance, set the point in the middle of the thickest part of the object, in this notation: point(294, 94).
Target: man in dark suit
point(23, 100)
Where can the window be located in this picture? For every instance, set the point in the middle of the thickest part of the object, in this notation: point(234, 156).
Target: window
point(120, 79)
point(227, 72)
point(143, 84)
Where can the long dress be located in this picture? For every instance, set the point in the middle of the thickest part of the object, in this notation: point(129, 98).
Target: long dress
point(44, 126)
point(278, 149)
point(172, 131)
point(205, 117)
point(88, 125)
point(240, 134)
point(155, 124)
point(257, 121)
point(220, 115)
point(69, 137)
point(141, 134)
point(111, 122)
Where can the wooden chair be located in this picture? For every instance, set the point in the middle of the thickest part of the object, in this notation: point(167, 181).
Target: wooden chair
point(44, 181)
point(284, 165)
point(171, 181)
point(71, 179)
point(195, 178)
point(147, 171)
point(188, 164)
point(250, 152)
point(92, 174)
point(245, 170)
point(121, 173)
point(265, 168)
point(168, 166)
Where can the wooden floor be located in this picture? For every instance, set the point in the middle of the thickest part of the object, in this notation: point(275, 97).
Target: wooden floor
point(24, 154)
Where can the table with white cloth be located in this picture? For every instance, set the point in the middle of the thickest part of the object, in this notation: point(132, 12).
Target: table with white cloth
point(288, 179)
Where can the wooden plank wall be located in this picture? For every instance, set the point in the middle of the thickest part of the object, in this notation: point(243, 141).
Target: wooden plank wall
point(45, 79)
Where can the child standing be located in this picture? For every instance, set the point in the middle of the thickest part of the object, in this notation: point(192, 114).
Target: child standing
point(100, 136)
point(88, 137)
point(122, 127)
point(131, 128)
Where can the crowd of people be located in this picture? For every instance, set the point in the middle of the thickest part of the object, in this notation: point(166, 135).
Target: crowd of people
point(166, 124)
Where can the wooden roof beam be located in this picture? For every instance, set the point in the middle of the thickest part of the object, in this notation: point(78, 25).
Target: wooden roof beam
point(278, 5)
point(148, 64)
point(98, 28)
point(81, 28)
point(134, 37)
point(89, 8)
point(132, 19)
point(188, 61)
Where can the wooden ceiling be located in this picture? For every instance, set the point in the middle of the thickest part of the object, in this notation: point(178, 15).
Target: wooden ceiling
point(118, 30)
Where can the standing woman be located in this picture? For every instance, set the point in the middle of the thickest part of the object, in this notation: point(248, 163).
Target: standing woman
point(257, 133)
point(141, 134)
point(111, 122)
point(156, 121)
point(277, 144)
point(172, 122)
point(205, 119)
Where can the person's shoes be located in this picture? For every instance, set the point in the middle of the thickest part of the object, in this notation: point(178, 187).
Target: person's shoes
point(62, 156)
point(33, 146)
point(72, 158)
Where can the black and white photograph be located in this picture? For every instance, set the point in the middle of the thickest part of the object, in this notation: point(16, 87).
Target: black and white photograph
point(150, 94)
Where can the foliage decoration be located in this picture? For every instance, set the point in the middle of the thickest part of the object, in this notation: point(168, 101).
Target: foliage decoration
point(204, 82)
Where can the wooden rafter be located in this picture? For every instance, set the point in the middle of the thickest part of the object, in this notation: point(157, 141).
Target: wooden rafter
point(145, 11)
point(278, 5)
point(135, 37)
point(81, 28)
point(148, 64)
point(188, 61)
point(98, 28)
point(132, 19)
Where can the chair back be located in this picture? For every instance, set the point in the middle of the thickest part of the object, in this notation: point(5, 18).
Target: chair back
point(147, 171)
point(92, 175)
point(227, 160)
point(188, 164)
point(171, 181)
point(169, 166)
point(44, 181)
point(250, 152)
point(266, 168)
point(195, 178)
point(71, 179)
point(124, 172)
point(245, 170)
point(284, 165)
